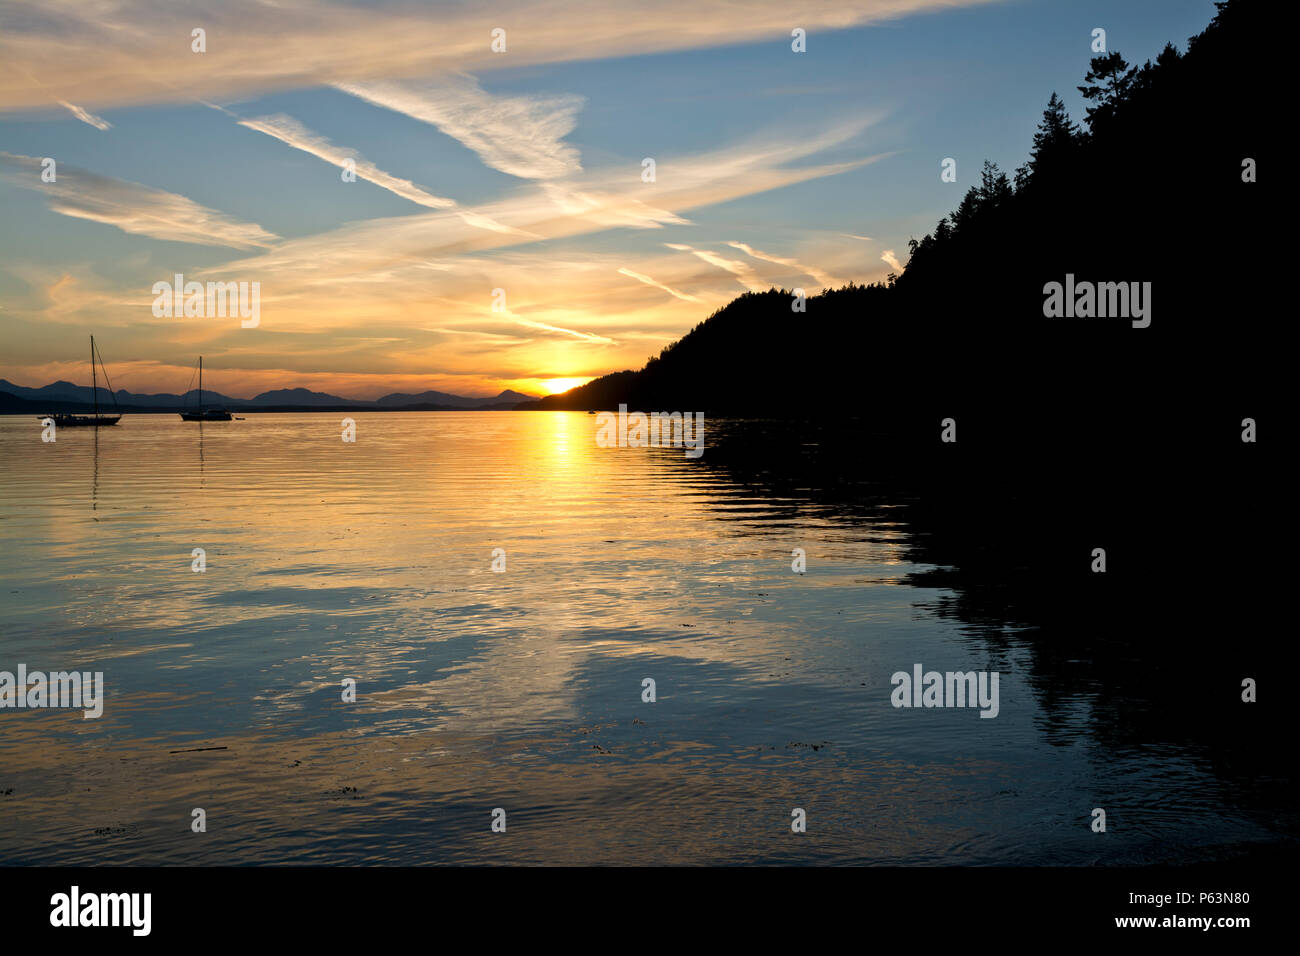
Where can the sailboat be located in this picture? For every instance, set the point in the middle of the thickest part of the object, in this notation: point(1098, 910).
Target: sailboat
point(96, 420)
point(214, 414)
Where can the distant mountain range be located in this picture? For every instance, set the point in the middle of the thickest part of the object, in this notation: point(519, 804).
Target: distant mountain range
point(61, 396)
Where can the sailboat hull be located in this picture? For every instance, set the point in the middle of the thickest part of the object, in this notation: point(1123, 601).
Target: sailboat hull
point(201, 414)
point(93, 421)
point(211, 415)
point(96, 420)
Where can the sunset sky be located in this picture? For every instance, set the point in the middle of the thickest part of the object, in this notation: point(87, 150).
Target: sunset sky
point(478, 170)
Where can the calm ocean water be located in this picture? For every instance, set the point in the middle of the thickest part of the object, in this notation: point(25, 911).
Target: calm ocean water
point(520, 690)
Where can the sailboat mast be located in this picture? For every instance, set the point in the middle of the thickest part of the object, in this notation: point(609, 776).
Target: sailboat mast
point(94, 380)
point(200, 383)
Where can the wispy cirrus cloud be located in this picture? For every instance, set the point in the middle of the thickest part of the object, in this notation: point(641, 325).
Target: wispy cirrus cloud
point(473, 333)
point(812, 271)
point(86, 116)
point(519, 135)
point(659, 285)
point(891, 260)
point(133, 208)
point(64, 49)
point(612, 197)
point(291, 132)
point(544, 327)
point(743, 273)
point(609, 204)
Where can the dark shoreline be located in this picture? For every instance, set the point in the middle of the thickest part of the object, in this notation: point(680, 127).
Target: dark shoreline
point(79, 408)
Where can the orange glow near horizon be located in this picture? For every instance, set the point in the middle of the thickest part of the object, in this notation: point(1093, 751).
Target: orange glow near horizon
point(555, 386)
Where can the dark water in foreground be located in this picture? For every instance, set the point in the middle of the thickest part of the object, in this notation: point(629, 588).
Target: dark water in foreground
point(522, 690)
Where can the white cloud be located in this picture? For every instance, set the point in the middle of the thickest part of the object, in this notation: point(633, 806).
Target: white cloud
point(288, 130)
point(133, 208)
point(659, 285)
point(612, 197)
point(825, 279)
point(87, 117)
point(743, 273)
point(532, 324)
point(67, 51)
point(519, 135)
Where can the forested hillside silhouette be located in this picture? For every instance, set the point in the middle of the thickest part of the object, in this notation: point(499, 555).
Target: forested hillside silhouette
point(1147, 187)
point(1072, 434)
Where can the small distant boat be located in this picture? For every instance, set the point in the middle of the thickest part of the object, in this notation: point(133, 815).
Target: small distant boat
point(96, 420)
point(214, 414)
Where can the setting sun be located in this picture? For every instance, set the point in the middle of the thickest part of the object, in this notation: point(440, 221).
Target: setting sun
point(556, 385)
